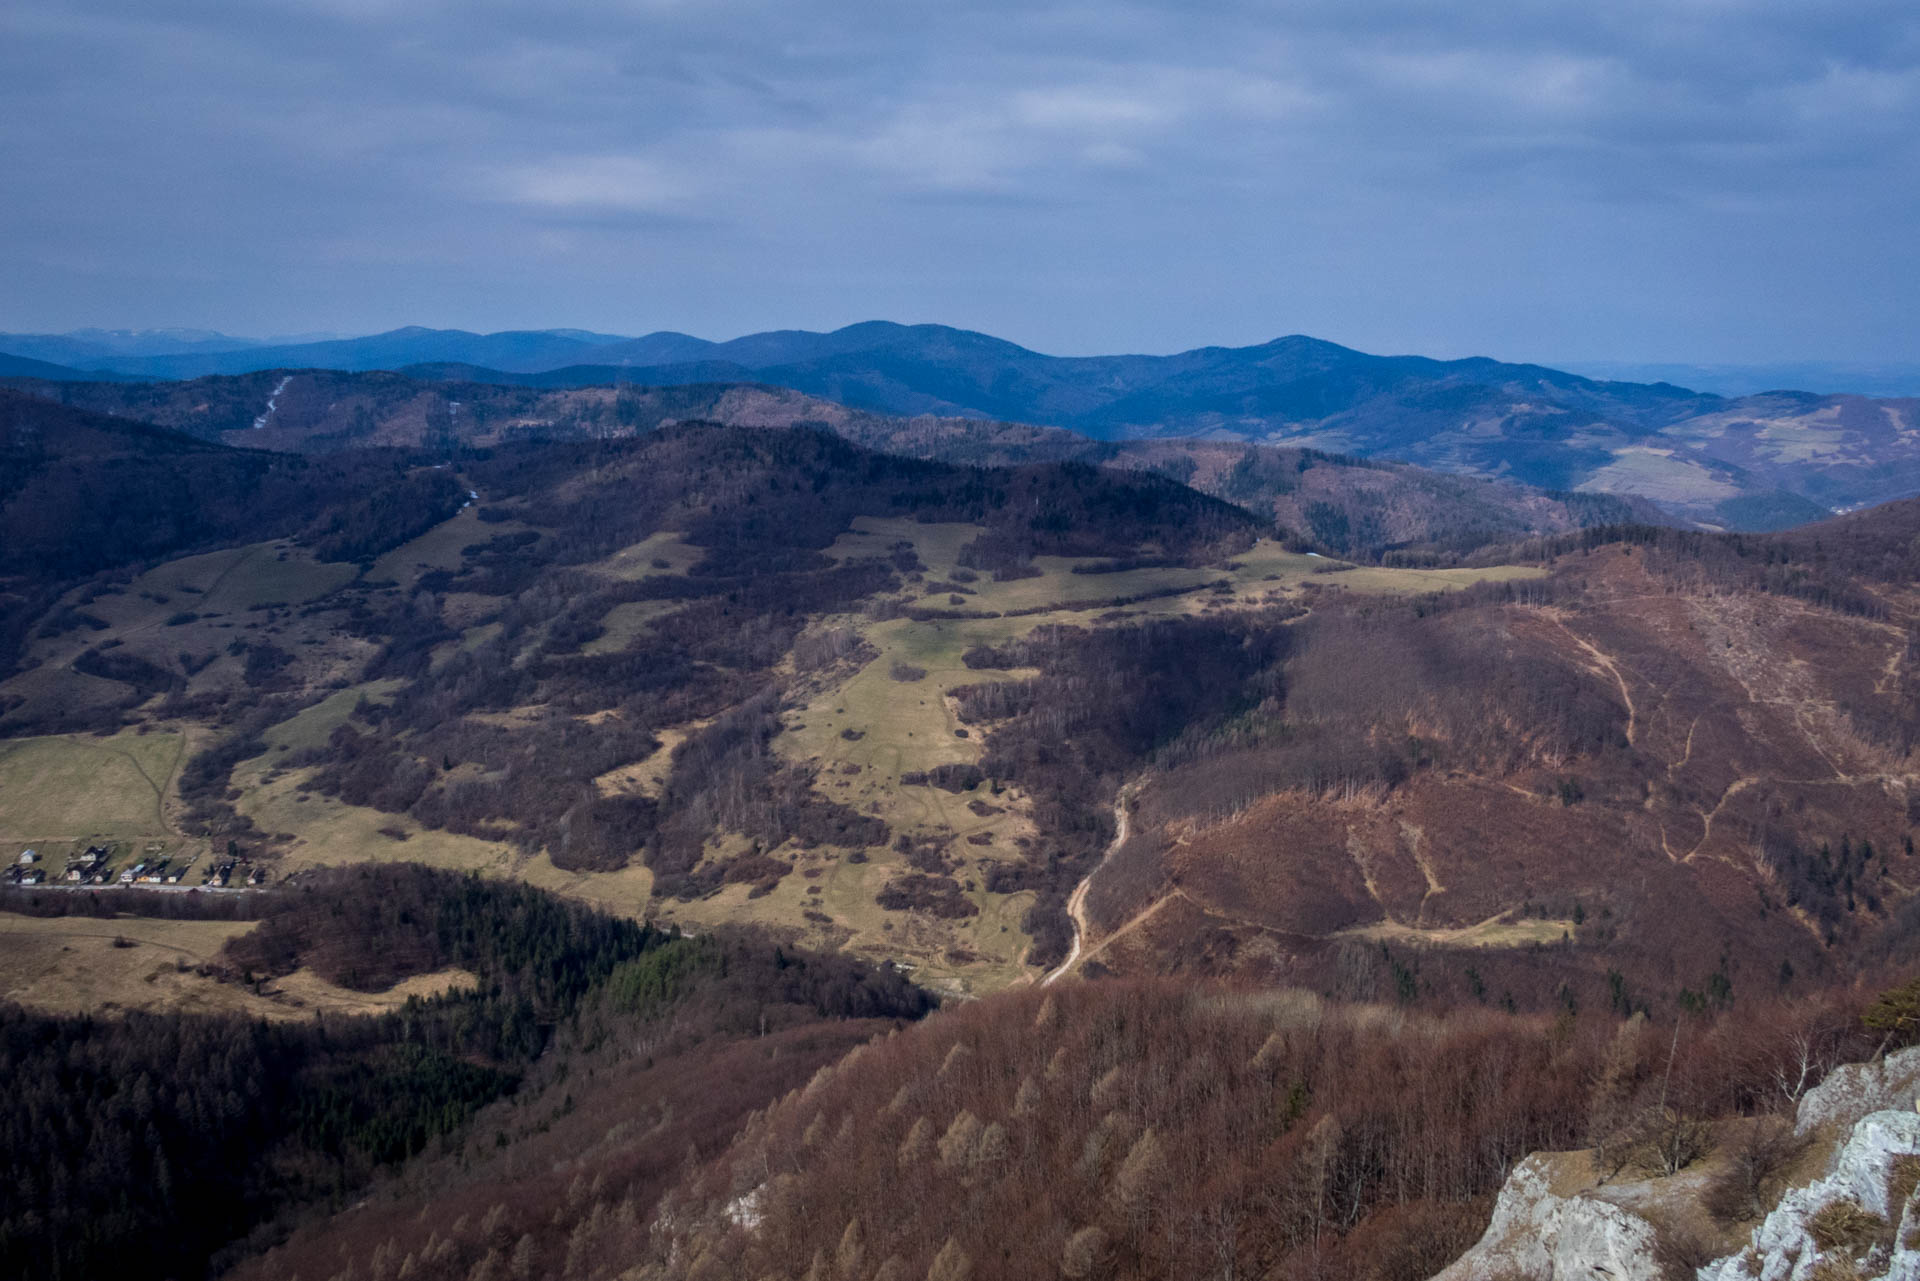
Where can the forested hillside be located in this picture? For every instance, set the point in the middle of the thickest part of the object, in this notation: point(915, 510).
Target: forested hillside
point(1756, 462)
point(82, 493)
point(159, 1141)
point(1677, 768)
point(1340, 504)
point(1497, 817)
point(1129, 1129)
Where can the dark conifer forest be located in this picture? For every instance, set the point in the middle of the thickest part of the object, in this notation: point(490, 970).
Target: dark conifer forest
point(157, 1141)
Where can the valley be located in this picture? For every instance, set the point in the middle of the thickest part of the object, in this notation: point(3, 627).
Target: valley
point(1336, 699)
point(500, 784)
point(869, 730)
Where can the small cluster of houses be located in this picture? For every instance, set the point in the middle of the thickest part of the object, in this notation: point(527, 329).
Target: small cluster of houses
point(91, 867)
point(160, 871)
point(154, 867)
point(222, 873)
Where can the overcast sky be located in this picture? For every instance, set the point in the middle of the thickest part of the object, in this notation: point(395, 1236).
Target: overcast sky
point(1700, 180)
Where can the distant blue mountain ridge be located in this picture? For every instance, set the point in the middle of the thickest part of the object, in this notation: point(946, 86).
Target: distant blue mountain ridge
point(1691, 450)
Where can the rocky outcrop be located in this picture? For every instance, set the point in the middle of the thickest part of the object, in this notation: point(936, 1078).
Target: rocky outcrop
point(1853, 1090)
point(1539, 1233)
point(1858, 1221)
point(1554, 1219)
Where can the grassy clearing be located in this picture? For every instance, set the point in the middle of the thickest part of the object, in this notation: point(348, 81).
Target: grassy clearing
point(648, 777)
point(473, 638)
point(1659, 475)
point(439, 547)
point(50, 688)
point(312, 726)
point(275, 575)
point(68, 786)
point(327, 831)
point(939, 547)
point(1377, 581)
point(623, 893)
point(233, 581)
point(1495, 932)
point(71, 965)
point(306, 992)
point(642, 559)
point(626, 621)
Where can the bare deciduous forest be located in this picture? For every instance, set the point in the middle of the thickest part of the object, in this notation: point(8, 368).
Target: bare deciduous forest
point(1608, 852)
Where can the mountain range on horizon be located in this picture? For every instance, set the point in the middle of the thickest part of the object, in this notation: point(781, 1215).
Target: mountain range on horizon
point(1747, 462)
point(190, 352)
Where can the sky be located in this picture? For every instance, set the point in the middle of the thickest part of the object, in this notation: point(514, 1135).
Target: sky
point(1680, 180)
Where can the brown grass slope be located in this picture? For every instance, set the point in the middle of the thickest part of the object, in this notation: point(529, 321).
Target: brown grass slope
point(1650, 783)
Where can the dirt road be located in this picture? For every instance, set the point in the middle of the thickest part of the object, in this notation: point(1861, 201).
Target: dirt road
point(1077, 901)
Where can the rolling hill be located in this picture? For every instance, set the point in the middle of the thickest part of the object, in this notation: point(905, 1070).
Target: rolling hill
point(1343, 505)
point(1696, 751)
point(1762, 461)
point(1383, 876)
point(671, 668)
point(12, 366)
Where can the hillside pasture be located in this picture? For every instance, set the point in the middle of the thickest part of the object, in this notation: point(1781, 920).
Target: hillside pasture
point(70, 786)
point(439, 547)
point(643, 559)
point(71, 965)
point(95, 965)
point(328, 832)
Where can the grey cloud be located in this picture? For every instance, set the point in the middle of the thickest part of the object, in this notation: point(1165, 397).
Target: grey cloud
point(1690, 180)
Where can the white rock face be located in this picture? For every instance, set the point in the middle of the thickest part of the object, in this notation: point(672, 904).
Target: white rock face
point(1782, 1248)
point(1538, 1234)
point(1853, 1090)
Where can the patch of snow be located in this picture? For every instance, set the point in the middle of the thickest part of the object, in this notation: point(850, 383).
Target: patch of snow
point(273, 402)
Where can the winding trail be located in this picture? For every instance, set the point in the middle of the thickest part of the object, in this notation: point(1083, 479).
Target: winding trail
point(1603, 663)
point(1077, 901)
